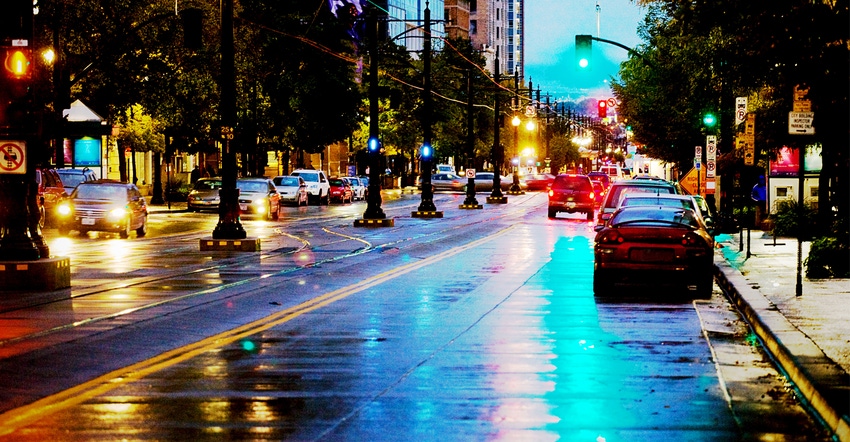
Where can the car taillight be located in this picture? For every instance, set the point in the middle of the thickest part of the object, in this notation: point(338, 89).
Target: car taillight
point(691, 239)
point(551, 192)
point(611, 237)
point(592, 195)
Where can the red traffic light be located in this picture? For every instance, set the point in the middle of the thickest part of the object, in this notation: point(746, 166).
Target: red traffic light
point(602, 108)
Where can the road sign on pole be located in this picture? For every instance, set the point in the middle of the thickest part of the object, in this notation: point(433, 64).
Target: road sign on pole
point(740, 110)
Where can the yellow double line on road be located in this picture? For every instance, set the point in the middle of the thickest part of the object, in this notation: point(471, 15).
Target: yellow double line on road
point(22, 416)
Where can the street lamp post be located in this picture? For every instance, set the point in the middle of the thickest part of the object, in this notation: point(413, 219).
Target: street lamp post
point(498, 150)
point(470, 202)
point(374, 215)
point(426, 209)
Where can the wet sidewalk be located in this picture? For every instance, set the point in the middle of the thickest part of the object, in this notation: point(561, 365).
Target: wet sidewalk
point(807, 335)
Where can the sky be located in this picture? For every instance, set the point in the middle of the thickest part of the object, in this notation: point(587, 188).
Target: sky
point(550, 30)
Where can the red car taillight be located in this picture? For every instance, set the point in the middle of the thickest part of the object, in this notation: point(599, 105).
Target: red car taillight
point(610, 237)
point(691, 239)
point(551, 192)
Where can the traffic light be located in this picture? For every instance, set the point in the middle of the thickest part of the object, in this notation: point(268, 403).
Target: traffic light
point(584, 45)
point(602, 108)
point(709, 120)
point(426, 153)
point(374, 145)
point(16, 54)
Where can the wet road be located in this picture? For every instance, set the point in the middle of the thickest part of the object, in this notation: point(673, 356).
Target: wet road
point(478, 326)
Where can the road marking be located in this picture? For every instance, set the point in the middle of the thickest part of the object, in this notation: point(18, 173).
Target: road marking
point(22, 416)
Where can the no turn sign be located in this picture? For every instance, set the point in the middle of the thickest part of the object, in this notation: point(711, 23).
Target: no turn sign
point(13, 158)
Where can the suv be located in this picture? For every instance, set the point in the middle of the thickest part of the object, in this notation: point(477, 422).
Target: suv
point(571, 193)
point(72, 177)
point(619, 189)
point(106, 206)
point(318, 188)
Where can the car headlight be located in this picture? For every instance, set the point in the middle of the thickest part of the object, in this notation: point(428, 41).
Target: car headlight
point(117, 213)
point(64, 209)
point(260, 205)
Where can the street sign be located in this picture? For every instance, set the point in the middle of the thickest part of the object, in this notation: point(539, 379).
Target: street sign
point(800, 123)
point(740, 110)
point(690, 182)
point(697, 151)
point(612, 102)
point(711, 147)
point(470, 173)
point(710, 167)
point(13, 159)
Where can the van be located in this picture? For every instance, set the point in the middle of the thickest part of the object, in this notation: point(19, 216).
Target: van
point(613, 171)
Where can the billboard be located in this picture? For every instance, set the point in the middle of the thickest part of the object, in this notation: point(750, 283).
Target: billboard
point(787, 162)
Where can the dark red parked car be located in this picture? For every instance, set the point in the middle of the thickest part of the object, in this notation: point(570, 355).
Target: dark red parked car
point(341, 190)
point(654, 246)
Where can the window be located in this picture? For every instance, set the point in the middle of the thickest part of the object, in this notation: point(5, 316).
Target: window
point(473, 6)
point(473, 26)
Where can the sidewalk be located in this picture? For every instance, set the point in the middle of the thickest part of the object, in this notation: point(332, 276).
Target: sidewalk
point(807, 335)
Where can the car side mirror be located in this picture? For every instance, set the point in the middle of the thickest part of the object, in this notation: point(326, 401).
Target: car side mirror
point(598, 228)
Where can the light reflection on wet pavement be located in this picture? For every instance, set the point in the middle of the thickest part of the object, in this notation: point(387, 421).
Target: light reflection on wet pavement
point(504, 341)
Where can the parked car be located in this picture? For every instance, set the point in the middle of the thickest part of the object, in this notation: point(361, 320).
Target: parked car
point(620, 188)
point(51, 193)
point(259, 196)
point(538, 181)
point(72, 177)
point(317, 184)
point(204, 194)
point(660, 200)
point(357, 187)
point(571, 193)
point(292, 189)
point(341, 190)
point(106, 206)
point(655, 247)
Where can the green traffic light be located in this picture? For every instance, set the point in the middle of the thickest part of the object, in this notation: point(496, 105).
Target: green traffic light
point(709, 120)
point(584, 46)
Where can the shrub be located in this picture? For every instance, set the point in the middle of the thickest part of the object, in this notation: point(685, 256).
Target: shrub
point(785, 216)
point(829, 257)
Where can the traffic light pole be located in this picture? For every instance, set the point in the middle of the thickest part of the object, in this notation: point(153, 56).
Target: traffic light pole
point(498, 150)
point(426, 209)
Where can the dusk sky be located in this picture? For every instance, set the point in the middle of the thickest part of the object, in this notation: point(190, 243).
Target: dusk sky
point(550, 30)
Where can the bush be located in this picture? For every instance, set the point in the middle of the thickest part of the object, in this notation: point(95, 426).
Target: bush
point(785, 217)
point(829, 257)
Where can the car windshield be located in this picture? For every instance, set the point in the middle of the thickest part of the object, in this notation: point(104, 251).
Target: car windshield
point(308, 176)
point(252, 186)
point(207, 185)
point(286, 181)
point(638, 200)
point(100, 192)
point(335, 182)
point(619, 192)
point(71, 180)
point(654, 216)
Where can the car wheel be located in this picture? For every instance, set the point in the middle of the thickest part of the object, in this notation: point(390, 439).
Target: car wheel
point(42, 217)
point(125, 232)
point(327, 200)
point(143, 229)
point(705, 286)
point(553, 213)
point(601, 286)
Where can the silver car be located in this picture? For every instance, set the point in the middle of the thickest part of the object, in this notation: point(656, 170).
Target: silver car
point(292, 189)
point(204, 194)
point(357, 187)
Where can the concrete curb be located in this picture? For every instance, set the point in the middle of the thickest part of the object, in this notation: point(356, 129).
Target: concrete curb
point(821, 382)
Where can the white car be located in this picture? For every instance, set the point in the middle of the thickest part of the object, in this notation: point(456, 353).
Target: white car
point(318, 187)
point(292, 189)
point(357, 186)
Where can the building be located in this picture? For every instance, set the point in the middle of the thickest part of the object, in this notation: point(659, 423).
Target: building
point(498, 25)
point(457, 18)
point(405, 21)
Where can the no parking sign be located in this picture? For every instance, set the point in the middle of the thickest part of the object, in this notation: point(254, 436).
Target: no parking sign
point(13, 159)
